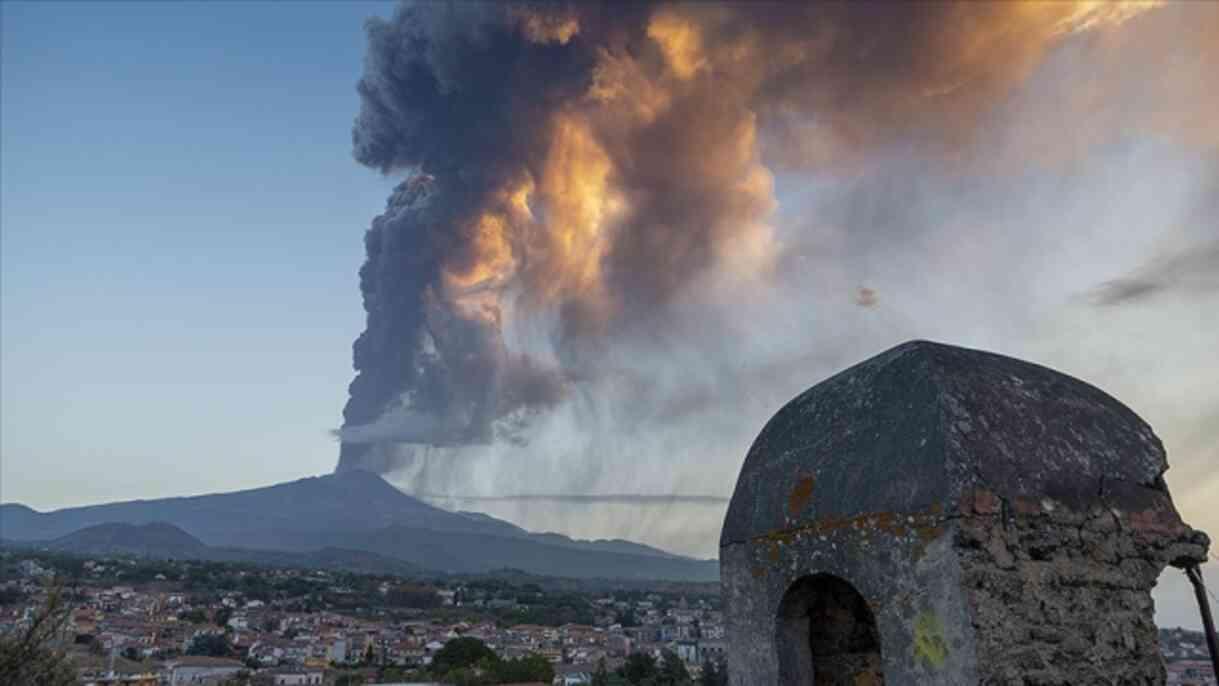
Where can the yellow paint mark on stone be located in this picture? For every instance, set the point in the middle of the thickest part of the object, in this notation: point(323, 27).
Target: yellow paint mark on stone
point(929, 643)
point(800, 495)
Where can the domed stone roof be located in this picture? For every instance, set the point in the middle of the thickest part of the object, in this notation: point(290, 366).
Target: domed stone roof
point(923, 424)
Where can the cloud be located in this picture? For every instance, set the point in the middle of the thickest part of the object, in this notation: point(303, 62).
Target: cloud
point(1189, 273)
point(707, 208)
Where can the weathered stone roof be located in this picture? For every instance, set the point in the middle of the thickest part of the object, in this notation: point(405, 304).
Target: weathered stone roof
point(919, 426)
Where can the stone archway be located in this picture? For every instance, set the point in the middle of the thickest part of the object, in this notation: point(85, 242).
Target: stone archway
point(827, 635)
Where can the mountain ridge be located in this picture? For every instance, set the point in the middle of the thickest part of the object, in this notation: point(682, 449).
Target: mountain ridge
point(354, 510)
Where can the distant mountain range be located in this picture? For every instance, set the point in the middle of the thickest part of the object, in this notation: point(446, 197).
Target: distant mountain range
point(166, 541)
point(353, 519)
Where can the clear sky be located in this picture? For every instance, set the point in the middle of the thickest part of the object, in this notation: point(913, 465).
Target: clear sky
point(182, 226)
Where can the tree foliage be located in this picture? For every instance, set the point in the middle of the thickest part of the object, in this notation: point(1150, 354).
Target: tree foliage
point(639, 668)
point(601, 676)
point(413, 595)
point(32, 654)
point(468, 661)
point(714, 674)
point(672, 670)
point(211, 645)
point(460, 653)
point(523, 669)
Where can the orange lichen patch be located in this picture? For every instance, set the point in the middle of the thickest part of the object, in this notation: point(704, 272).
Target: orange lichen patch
point(928, 533)
point(758, 572)
point(775, 551)
point(800, 495)
point(926, 527)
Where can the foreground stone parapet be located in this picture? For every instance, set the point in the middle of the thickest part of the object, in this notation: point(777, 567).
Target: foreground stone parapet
point(950, 516)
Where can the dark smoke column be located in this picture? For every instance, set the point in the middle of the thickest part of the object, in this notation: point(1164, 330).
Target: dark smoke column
point(457, 98)
point(387, 355)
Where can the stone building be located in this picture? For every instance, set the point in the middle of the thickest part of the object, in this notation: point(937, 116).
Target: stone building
point(937, 515)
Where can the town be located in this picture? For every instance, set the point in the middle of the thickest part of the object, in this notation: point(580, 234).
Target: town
point(141, 622)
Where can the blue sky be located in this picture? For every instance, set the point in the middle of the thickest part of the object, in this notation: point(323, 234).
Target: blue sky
point(182, 226)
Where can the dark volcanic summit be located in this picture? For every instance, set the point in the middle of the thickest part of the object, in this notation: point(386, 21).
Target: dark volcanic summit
point(920, 424)
point(355, 513)
point(263, 517)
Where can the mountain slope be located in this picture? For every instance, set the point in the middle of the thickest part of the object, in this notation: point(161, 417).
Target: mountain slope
point(355, 512)
point(165, 541)
point(149, 540)
point(351, 501)
point(451, 553)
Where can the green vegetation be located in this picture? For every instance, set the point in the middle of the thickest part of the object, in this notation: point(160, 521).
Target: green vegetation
point(10, 596)
point(641, 669)
point(469, 662)
point(194, 616)
point(32, 655)
point(414, 596)
point(211, 645)
point(714, 674)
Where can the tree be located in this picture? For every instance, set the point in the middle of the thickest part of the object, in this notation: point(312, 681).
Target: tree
point(672, 670)
point(414, 596)
point(601, 676)
point(461, 652)
point(10, 596)
point(714, 674)
point(31, 655)
point(639, 667)
point(222, 616)
point(524, 669)
point(211, 645)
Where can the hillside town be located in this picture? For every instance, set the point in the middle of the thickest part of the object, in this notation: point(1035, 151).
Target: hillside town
point(134, 622)
point(142, 622)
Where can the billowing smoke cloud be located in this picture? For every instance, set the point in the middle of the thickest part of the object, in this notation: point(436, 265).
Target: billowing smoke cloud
point(574, 172)
point(628, 233)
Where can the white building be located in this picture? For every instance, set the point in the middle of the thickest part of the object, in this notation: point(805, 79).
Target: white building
point(298, 677)
point(197, 669)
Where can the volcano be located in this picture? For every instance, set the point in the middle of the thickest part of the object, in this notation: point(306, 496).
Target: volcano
point(359, 511)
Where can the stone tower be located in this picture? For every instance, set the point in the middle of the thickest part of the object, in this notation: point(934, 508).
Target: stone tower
point(938, 515)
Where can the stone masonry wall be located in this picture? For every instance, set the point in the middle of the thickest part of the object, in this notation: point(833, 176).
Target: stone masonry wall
point(1060, 596)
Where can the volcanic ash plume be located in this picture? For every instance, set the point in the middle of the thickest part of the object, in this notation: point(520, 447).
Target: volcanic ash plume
point(582, 181)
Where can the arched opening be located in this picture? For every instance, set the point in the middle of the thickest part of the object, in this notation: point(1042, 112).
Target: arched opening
point(827, 635)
